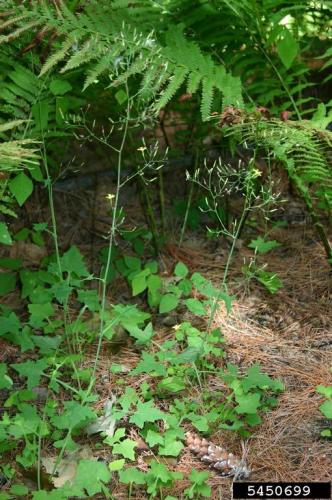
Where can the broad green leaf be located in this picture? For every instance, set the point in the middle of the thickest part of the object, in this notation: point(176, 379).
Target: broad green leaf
point(116, 465)
point(41, 295)
point(46, 344)
point(116, 438)
point(189, 355)
point(36, 173)
point(29, 280)
point(143, 336)
point(40, 112)
point(181, 270)
point(9, 324)
point(5, 237)
point(198, 477)
point(127, 399)
point(171, 384)
point(5, 381)
point(121, 96)
point(185, 286)
point(326, 409)
point(9, 263)
point(129, 315)
point(60, 87)
point(159, 475)
point(145, 412)
point(91, 475)
point(61, 291)
point(22, 234)
point(32, 370)
point(38, 313)
point(326, 390)
point(7, 283)
point(168, 303)
point(148, 364)
point(21, 186)
point(132, 475)
point(154, 283)
point(253, 419)
point(154, 290)
point(287, 48)
point(139, 282)
point(152, 266)
point(247, 403)
point(73, 416)
point(255, 378)
point(125, 448)
point(72, 262)
point(195, 306)
point(153, 438)
point(199, 421)
point(19, 490)
point(171, 448)
point(89, 298)
point(27, 422)
point(23, 339)
point(261, 246)
point(159, 471)
point(133, 263)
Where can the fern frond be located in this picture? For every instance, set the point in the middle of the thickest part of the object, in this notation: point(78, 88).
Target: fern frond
point(12, 21)
point(10, 125)
point(194, 80)
point(17, 33)
point(59, 55)
point(174, 84)
point(207, 97)
point(124, 29)
point(302, 148)
point(104, 63)
point(91, 48)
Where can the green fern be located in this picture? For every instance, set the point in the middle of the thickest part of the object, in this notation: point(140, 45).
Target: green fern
point(105, 33)
point(305, 153)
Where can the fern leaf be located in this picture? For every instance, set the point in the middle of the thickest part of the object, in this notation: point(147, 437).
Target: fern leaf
point(175, 83)
point(10, 125)
point(12, 21)
point(194, 80)
point(103, 64)
point(17, 33)
point(58, 55)
point(25, 79)
point(207, 98)
point(91, 49)
point(137, 66)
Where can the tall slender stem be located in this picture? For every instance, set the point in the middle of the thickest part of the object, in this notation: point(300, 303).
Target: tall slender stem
point(191, 193)
point(112, 234)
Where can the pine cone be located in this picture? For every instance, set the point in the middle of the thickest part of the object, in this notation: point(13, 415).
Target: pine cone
point(218, 458)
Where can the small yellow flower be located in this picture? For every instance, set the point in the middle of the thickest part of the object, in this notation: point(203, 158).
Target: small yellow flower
point(176, 327)
point(110, 197)
point(142, 149)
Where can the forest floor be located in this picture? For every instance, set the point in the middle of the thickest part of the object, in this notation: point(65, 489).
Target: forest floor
point(289, 334)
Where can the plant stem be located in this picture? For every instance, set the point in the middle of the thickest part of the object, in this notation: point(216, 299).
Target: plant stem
point(228, 262)
point(149, 212)
point(162, 202)
point(190, 197)
point(112, 233)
